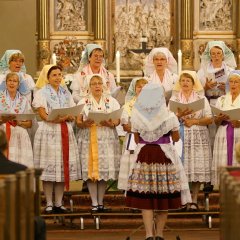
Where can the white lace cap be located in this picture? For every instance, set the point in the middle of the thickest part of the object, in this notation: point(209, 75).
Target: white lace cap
point(171, 62)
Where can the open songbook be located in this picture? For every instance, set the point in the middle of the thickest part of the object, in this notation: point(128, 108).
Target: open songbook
point(19, 117)
point(234, 114)
point(194, 106)
point(98, 117)
point(73, 111)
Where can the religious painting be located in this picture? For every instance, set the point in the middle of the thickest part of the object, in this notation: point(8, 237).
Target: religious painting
point(70, 15)
point(216, 15)
point(137, 21)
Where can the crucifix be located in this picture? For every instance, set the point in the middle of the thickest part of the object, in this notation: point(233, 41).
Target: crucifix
point(144, 48)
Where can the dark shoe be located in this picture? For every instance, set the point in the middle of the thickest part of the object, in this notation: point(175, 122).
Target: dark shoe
point(192, 207)
point(208, 188)
point(94, 209)
point(48, 210)
point(159, 238)
point(149, 238)
point(60, 209)
point(102, 208)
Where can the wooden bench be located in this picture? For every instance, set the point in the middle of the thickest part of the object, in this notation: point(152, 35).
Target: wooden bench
point(10, 195)
point(19, 194)
point(30, 209)
point(2, 208)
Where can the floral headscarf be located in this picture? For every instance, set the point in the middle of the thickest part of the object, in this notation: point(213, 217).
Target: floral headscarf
point(4, 62)
point(229, 58)
point(22, 88)
point(132, 87)
point(87, 51)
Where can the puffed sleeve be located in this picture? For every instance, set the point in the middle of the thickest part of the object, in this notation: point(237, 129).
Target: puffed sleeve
point(40, 101)
point(124, 118)
point(30, 81)
point(114, 104)
point(207, 108)
point(71, 102)
point(75, 87)
point(112, 82)
point(201, 76)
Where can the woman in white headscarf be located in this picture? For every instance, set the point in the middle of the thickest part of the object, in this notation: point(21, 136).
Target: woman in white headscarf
point(157, 181)
point(13, 61)
point(12, 101)
point(228, 131)
point(92, 62)
point(161, 67)
point(217, 62)
point(98, 144)
point(129, 144)
point(196, 149)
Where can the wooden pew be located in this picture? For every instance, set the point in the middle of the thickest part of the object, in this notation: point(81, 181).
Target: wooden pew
point(230, 203)
point(30, 181)
point(21, 204)
point(2, 208)
point(37, 197)
point(10, 194)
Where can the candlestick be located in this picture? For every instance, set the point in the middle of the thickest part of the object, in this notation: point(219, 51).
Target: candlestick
point(54, 59)
point(179, 61)
point(118, 66)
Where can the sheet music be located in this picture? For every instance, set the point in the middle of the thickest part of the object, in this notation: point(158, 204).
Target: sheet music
point(73, 111)
point(98, 117)
point(19, 117)
point(234, 114)
point(195, 106)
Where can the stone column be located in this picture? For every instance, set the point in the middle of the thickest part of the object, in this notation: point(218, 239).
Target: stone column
point(99, 22)
point(43, 33)
point(187, 33)
point(238, 34)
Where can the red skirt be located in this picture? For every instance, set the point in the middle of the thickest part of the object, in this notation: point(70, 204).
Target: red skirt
point(154, 182)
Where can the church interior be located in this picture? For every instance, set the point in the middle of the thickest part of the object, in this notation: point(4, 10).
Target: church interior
point(57, 32)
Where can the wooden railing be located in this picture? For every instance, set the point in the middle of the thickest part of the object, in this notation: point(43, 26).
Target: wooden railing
point(19, 204)
point(230, 203)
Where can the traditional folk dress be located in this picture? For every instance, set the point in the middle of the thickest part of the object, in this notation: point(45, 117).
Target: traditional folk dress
point(55, 146)
point(129, 145)
point(168, 82)
point(99, 146)
point(20, 147)
point(4, 70)
point(158, 180)
point(79, 83)
point(225, 139)
point(196, 152)
point(217, 74)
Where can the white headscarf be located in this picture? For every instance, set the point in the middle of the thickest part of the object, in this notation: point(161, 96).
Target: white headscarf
point(171, 62)
point(229, 58)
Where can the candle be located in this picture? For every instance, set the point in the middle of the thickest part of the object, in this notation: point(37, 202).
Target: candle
point(82, 54)
point(54, 59)
point(118, 66)
point(179, 61)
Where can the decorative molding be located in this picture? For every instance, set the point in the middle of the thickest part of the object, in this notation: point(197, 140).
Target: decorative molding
point(43, 53)
point(238, 53)
point(133, 21)
point(215, 15)
point(187, 51)
point(70, 15)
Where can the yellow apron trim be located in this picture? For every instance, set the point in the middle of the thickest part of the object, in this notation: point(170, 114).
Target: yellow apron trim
point(93, 173)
